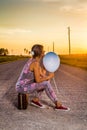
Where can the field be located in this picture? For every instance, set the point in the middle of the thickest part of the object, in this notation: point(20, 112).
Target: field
point(4, 59)
point(77, 60)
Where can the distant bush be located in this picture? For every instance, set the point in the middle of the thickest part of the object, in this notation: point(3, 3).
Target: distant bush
point(3, 51)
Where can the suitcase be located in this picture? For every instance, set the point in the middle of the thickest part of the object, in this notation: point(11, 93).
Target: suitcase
point(22, 101)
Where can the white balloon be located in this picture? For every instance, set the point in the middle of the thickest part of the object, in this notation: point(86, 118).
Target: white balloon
point(51, 61)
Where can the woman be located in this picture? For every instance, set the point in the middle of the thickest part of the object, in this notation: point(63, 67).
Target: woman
point(34, 78)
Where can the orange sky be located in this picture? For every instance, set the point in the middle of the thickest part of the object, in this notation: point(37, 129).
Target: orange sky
point(26, 22)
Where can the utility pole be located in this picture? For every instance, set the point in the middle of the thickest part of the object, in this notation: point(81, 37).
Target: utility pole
point(48, 48)
point(69, 40)
point(53, 46)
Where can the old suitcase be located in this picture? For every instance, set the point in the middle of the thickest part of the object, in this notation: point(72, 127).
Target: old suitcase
point(22, 101)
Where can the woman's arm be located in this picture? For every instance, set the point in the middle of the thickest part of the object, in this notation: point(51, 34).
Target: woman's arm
point(37, 73)
point(42, 72)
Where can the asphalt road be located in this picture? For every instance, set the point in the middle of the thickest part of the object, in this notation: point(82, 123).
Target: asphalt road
point(72, 91)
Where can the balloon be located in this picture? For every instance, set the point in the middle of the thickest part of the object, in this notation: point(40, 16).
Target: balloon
point(51, 61)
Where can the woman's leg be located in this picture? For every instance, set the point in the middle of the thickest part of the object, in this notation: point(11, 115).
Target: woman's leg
point(50, 91)
point(46, 85)
point(37, 87)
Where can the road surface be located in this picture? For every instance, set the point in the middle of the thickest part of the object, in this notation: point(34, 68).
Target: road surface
point(72, 91)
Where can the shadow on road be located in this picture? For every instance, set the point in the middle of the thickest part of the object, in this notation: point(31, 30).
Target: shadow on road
point(11, 96)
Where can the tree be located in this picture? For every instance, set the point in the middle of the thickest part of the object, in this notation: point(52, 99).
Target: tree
point(25, 51)
point(3, 51)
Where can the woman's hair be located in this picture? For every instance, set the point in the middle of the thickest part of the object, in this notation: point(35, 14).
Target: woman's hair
point(37, 50)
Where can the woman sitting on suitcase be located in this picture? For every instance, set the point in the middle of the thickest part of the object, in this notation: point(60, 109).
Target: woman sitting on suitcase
point(34, 78)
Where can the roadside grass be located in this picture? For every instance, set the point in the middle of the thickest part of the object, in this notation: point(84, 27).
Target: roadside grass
point(9, 58)
point(77, 60)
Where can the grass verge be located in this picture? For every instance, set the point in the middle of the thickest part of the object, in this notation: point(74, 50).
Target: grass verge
point(77, 60)
point(4, 59)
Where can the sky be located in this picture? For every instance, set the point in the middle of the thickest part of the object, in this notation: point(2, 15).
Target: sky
point(27, 22)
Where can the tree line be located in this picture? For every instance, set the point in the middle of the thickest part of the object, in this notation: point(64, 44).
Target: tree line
point(5, 52)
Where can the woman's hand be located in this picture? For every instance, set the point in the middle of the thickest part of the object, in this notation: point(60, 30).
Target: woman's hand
point(51, 75)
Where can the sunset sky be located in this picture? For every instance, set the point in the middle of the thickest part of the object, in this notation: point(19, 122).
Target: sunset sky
point(26, 22)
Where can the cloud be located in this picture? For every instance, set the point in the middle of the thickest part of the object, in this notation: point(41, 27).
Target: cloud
point(66, 2)
point(82, 1)
point(68, 5)
point(58, 2)
point(13, 31)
